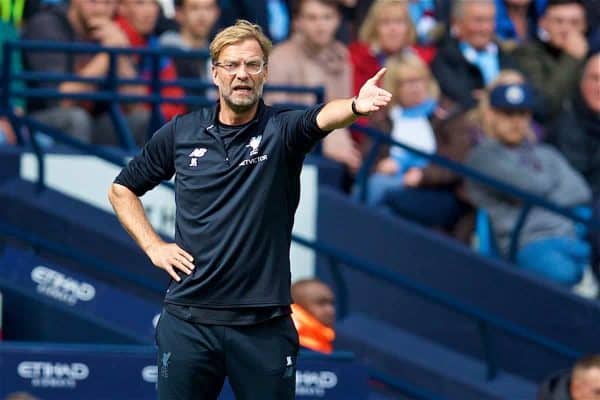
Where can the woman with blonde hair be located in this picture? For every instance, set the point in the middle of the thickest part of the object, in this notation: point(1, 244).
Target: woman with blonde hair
point(386, 31)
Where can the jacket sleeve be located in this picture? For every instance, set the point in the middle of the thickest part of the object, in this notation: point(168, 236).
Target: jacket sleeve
point(155, 163)
point(571, 189)
point(452, 84)
point(496, 162)
point(555, 82)
point(300, 129)
point(570, 142)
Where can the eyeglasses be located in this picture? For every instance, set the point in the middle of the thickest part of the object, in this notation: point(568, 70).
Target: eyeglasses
point(251, 67)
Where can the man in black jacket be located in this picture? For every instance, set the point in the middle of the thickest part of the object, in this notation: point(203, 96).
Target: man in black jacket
point(471, 59)
point(237, 186)
point(576, 134)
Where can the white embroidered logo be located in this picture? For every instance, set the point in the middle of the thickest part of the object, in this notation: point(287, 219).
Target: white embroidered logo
point(515, 95)
point(195, 155)
point(254, 144)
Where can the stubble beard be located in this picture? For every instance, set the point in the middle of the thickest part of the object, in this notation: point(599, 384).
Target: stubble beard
point(245, 104)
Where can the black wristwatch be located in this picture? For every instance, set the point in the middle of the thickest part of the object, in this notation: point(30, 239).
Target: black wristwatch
point(355, 111)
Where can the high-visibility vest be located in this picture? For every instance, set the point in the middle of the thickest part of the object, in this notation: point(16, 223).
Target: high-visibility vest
point(313, 334)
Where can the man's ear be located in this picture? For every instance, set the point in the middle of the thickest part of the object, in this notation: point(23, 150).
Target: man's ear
point(213, 73)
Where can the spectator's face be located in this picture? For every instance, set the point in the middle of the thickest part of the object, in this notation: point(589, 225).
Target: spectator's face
point(558, 21)
point(478, 24)
point(198, 17)
point(509, 127)
point(412, 88)
point(393, 28)
point(240, 90)
point(320, 302)
point(317, 23)
point(88, 10)
point(141, 14)
point(590, 83)
point(585, 385)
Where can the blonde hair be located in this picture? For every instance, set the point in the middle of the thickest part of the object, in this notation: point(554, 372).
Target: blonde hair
point(368, 29)
point(240, 31)
point(403, 64)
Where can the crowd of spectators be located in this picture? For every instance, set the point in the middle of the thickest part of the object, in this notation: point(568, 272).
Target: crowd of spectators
point(511, 87)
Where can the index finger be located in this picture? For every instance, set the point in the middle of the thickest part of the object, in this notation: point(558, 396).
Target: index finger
point(378, 75)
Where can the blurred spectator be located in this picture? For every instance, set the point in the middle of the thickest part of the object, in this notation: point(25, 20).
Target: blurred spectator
point(312, 57)
point(197, 19)
point(507, 77)
point(580, 383)
point(386, 31)
point(576, 134)
point(313, 313)
point(548, 244)
point(405, 183)
point(429, 19)
point(471, 60)
point(82, 21)
point(7, 135)
point(516, 21)
point(272, 15)
point(422, 12)
point(137, 18)
point(554, 62)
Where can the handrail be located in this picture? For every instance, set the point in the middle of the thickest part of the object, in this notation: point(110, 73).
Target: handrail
point(58, 249)
point(529, 200)
point(436, 297)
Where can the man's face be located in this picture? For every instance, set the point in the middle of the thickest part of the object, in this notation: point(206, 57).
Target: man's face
point(318, 23)
point(560, 20)
point(392, 28)
point(141, 14)
point(509, 127)
point(478, 24)
point(320, 302)
point(585, 385)
point(590, 83)
point(240, 90)
point(198, 17)
point(89, 10)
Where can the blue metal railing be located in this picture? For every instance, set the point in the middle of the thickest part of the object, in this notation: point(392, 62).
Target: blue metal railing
point(484, 320)
point(529, 200)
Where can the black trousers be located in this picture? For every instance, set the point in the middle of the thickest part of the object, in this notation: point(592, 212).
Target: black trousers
point(194, 359)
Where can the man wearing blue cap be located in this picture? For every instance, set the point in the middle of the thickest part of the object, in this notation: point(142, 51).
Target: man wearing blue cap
point(548, 244)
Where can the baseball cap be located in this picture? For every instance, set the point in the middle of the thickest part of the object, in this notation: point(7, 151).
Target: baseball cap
point(517, 97)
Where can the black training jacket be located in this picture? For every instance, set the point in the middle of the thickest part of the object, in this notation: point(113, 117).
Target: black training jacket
point(235, 205)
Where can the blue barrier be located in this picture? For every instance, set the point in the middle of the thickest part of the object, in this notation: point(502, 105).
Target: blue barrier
point(82, 293)
point(56, 372)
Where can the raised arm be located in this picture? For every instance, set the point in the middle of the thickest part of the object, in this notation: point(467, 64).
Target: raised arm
point(341, 113)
